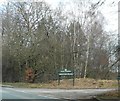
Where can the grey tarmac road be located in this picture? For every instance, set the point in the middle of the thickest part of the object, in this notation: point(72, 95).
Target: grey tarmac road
point(30, 93)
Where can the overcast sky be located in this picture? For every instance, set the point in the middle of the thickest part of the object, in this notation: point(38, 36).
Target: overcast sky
point(109, 10)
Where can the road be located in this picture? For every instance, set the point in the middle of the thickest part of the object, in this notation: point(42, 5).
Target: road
point(27, 93)
point(14, 93)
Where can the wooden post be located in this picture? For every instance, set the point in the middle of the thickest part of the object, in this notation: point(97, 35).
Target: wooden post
point(73, 79)
point(59, 80)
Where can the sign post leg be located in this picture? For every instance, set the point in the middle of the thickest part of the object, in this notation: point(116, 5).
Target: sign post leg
point(58, 80)
point(73, 80)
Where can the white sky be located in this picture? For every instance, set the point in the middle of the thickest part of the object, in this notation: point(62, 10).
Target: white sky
point(109, 10)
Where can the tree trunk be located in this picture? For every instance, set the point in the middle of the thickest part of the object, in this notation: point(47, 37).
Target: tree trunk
point(87, 56)
point(74, 58)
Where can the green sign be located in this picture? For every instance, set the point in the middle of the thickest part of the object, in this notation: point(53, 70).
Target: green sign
point(118, 78)
point(65, 72)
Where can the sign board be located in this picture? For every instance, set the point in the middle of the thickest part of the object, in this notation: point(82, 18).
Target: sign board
point(65, 72)
point(118, 78)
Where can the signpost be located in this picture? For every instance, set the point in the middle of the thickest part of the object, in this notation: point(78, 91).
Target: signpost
point(65, 72)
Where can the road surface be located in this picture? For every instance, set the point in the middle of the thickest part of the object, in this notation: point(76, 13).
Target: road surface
point(14, 93)
point(29, 93)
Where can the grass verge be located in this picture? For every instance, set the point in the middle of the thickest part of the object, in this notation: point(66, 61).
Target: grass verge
point(79, 83)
